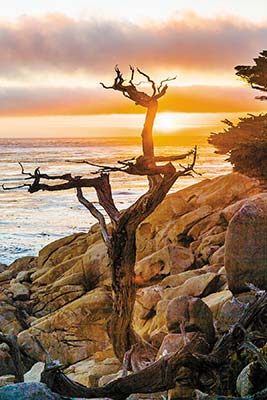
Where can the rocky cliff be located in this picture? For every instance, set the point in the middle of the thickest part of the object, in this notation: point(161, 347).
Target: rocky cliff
point(193, 254)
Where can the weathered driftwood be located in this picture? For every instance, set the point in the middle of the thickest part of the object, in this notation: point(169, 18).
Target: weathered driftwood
point(163, 374)
point(158, 376)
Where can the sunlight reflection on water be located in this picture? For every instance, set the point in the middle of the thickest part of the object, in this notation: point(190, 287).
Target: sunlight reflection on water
point(28, 222)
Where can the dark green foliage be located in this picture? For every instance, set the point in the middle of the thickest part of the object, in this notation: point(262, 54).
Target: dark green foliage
point(245, 144)
point(255, 75)
point(250, 159)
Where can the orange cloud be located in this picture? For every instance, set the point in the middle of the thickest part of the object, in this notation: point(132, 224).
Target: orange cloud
point(81, 101)
point(61, 44)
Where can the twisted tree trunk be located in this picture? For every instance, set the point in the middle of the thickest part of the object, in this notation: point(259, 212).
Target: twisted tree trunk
point(122, 256)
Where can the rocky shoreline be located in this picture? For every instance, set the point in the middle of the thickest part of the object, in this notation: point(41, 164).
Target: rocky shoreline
point(195, 255)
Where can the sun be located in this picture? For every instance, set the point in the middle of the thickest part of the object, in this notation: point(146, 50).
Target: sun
point(166, 122)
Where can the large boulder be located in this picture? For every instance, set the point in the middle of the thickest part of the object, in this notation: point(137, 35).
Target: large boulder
point(246, 246)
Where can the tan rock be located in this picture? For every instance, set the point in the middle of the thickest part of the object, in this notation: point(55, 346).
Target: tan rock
point(170, 259)
point(79, 372)
point(217, 257)
point(145, 309)
point(61, 251)
point(19, 291)
point(107, 367)
point(53, 298)
point(181, 226)
point(205, 249)
point(6, 276)
point(88, 372)
point(197, 286)
point(179, 279)
point(204, 225)
point(158, 327)
point(219, 192)
point(74, 332)
point(216, 300)
point(104, 380)
point(24, 276)
point(6, 380)
point(34, 374)
point(23, 264)
point(245, 246)
point(8, 318)
point(51, 274)
point(171, 208)
point(194, 313)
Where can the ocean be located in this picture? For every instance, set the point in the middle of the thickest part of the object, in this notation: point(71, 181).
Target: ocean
point(30, 221)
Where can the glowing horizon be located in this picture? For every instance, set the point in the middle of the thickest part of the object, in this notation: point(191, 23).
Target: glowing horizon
point(53, 54)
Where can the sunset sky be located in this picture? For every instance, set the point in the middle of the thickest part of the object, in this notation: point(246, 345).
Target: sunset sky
point(53, 54)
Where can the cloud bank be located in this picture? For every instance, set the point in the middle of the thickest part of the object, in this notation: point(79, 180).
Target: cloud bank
point(57, 43)
point(81, 101)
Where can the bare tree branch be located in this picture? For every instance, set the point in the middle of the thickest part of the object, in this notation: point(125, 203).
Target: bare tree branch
point(130, 91)
point(153, 84)
point(166, 80)
point(94, 211)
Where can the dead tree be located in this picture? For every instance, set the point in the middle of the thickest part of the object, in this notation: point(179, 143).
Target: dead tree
point(120, 240)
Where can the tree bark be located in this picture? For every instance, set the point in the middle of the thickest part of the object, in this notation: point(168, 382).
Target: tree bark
point(122, 252)
point(147, 132)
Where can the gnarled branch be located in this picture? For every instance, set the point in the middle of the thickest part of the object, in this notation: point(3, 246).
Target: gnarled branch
point(130, 91)
point(94, 211)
